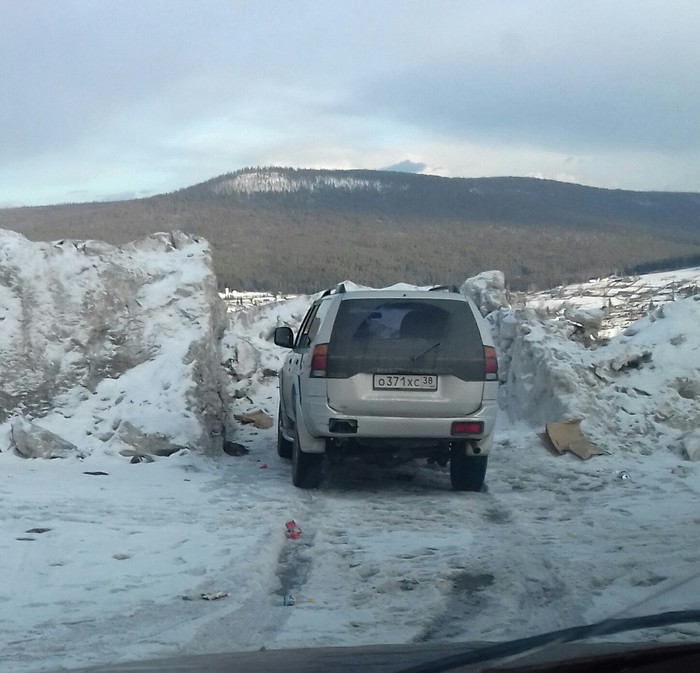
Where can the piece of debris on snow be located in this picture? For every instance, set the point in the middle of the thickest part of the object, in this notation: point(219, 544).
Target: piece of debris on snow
point(408, 584)
point(214, 596)
point(211, 596)
point(257, 418)
point(143, 443)
point(586, 324)
point(568, 436)
point(549, 445)
point(630, 360)
point(235, 449)
point(30, 440)
point(136, 456)
point(292, 530)
point(589, 319)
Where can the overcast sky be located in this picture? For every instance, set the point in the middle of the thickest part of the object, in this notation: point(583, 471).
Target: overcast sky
point(106, 99)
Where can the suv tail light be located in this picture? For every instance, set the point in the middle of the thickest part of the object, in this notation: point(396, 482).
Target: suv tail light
point(467, 428)
point(319, 360)
point(491, 363)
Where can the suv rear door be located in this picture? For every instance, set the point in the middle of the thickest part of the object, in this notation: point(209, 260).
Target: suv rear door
point(297, 359)
point(405, 357)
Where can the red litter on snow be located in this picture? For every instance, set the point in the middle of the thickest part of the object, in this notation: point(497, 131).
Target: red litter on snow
point(263, 466)
point(291, 530)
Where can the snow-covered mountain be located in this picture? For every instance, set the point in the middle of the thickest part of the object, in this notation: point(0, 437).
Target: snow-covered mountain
point(265, 181)
point(98, 553)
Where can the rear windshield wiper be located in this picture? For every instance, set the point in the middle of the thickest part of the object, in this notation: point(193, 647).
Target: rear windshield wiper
point(426, 351)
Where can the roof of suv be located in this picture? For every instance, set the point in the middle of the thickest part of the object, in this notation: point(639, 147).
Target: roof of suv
point(439, 292)
point(400, 294)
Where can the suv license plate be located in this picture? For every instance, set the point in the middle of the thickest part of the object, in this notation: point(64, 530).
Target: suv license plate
point(404, 382)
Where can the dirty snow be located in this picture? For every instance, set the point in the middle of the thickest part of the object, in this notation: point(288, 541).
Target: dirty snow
point(639, 386)
point(111, 348)
point(386, 555)
point(487, 290)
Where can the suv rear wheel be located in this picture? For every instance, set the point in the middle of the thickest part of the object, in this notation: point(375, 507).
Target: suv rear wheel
point(306, 467)
point(467, 473)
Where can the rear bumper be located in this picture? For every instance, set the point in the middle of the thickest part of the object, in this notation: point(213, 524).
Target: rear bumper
point(317, 415)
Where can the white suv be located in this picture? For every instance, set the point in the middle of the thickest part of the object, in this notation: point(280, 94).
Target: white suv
point(389, 375)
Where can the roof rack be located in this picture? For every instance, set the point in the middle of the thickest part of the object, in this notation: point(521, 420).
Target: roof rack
point(447, 288)
point(338, 289)
point(341, 289)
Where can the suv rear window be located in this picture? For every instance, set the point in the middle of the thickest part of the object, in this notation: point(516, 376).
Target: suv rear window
point(414, 336)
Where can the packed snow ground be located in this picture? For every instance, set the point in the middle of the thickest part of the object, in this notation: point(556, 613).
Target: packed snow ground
point(386, 555)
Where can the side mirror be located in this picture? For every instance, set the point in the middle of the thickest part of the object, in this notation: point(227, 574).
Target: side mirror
point(284, 337)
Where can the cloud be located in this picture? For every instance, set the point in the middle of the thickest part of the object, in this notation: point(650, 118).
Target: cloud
point(125, 96)
point(549, 107)
point(585, 77)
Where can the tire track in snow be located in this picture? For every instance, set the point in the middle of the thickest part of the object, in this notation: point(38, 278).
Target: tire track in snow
point(440, 565)
point(395, 556)
point(256, 611)
point(387, 548)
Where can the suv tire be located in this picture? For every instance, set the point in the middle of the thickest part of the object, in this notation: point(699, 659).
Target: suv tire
point(306, 467)
point(284, 446)
point(467, 473)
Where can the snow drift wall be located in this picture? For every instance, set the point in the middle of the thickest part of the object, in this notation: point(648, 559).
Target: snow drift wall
point(537, 365)
point(639, 391)
point(252, 358)
point(115, 347)
point(487, 290)
point(636, 392)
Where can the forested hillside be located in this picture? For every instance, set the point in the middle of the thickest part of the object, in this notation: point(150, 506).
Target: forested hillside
point(301, 230)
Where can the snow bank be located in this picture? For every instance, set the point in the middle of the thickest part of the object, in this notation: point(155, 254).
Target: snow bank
point(636, 392)
point(111, 347)
point(251, 358)
point(487, 290)
point(539, 368)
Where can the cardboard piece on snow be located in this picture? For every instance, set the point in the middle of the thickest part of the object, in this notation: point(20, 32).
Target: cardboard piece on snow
point(568, 436)
point(549, 445)
point(258, 418)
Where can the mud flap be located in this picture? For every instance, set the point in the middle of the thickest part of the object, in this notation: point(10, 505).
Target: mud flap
point(309, 443)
